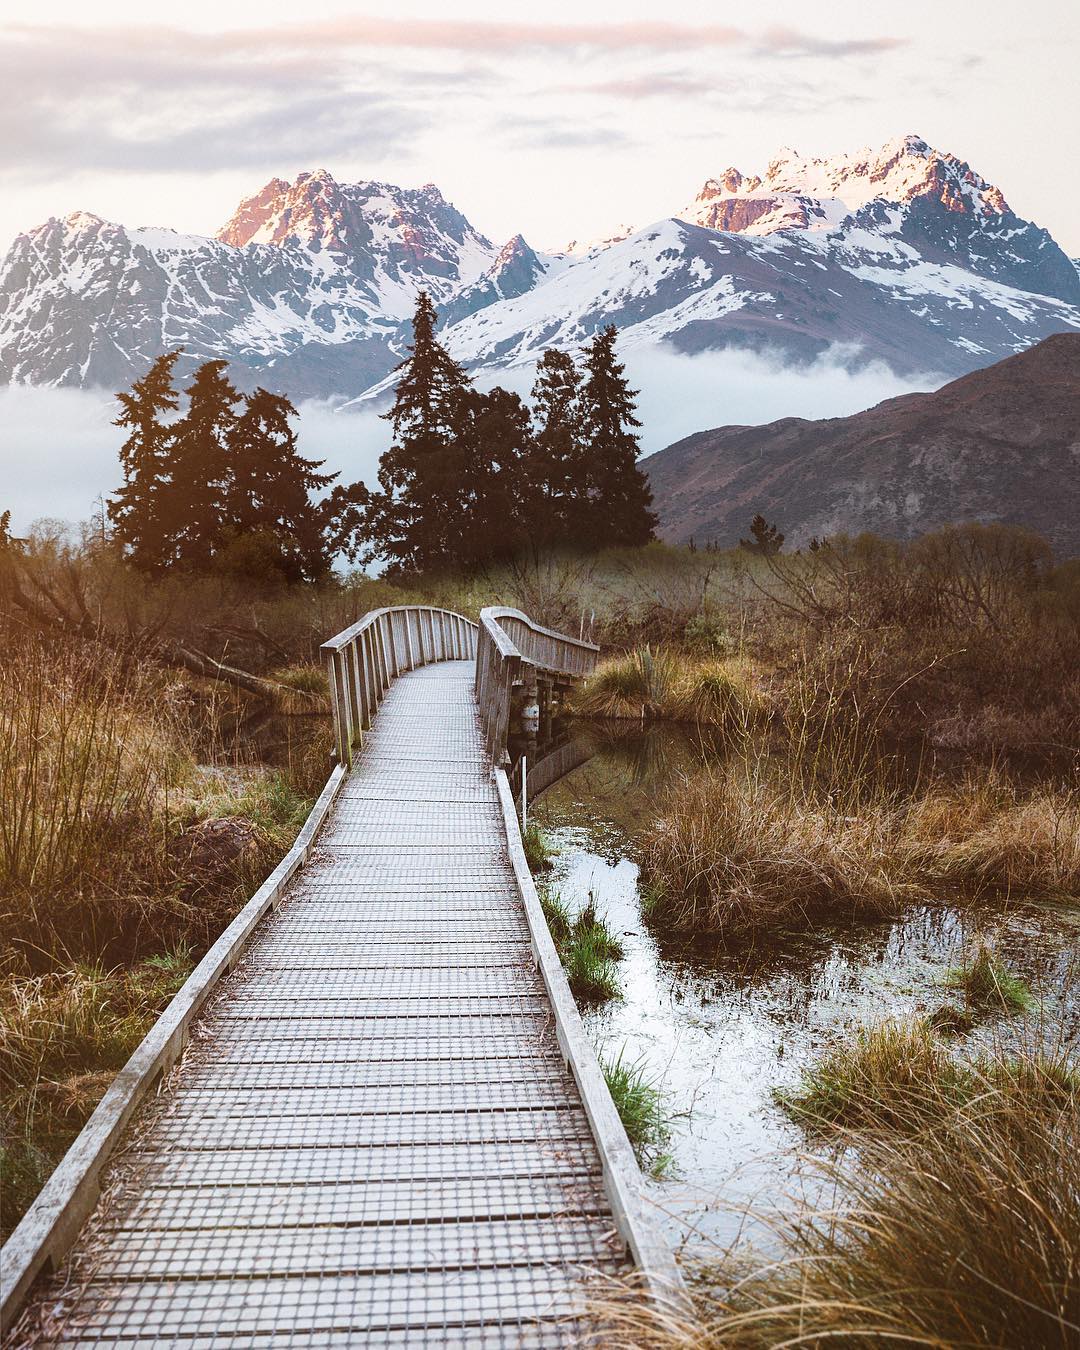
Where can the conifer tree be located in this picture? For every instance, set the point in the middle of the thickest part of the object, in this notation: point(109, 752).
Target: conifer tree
point(136, 510)
point(766, 539)
point(613, 499)
point(199, 463)
point(267, 496)
point(416, 520)
point(555, 465)
point(498, 511)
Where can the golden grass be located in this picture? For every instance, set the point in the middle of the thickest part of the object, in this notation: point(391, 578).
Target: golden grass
point(62, 1037)
point(956, 1230)
point(666, 684)
point(742, 848)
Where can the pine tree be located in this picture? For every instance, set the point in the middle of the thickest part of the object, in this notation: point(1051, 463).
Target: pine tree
point(613, 499)
point(555, 464)
point(267, 503)
point(136, 509)
point(416, 521)
point(498, 512)
point(764, 538)
point(193, 510)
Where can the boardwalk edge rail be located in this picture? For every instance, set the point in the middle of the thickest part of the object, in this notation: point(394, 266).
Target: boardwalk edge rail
point(509, 640)
point(650, 1249)
point(52, 1223)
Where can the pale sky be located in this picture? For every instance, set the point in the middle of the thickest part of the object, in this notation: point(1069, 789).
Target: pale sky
point(559, 120)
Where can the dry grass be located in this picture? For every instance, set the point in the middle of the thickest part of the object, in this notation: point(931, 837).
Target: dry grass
point(664, 684)
point(954, 1225)
point(62, 1038)
point(743, 848)
point(102, 800)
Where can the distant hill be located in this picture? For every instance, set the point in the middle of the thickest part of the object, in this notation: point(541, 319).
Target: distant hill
point(1001, 444)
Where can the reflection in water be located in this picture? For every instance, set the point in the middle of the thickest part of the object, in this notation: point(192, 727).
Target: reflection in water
point(722, 1029)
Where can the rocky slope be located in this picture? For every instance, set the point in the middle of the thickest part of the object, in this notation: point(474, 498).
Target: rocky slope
point(1000, 444)
point(903, 255)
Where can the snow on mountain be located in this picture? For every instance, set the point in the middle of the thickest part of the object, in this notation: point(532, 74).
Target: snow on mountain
point(798, 193)
point(383, 236)
point(903, 255)
point(305, 288)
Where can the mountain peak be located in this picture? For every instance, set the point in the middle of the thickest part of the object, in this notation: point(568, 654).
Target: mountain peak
point(797, 192)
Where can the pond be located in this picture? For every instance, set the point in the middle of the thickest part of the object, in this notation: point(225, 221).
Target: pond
point(720, 1030)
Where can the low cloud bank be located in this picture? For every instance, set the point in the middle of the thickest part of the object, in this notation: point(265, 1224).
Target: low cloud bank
point(58, 449)
point(681, 394)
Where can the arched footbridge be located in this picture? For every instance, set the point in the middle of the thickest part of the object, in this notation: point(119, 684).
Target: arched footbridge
point(371, 1116)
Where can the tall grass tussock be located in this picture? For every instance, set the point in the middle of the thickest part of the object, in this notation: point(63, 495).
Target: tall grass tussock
point(953, 1222)
point(752, 845)
point(648, 685)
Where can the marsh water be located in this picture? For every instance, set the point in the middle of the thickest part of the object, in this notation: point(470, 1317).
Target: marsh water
point(719, 1030)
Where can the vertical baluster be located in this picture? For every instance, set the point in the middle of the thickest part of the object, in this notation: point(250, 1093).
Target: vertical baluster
point(335, 703)
point(348, 725)
point(410, 655)
point(350, 674)
point(368, 676)
point(384, 660)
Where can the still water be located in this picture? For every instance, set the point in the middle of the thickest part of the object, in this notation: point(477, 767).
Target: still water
point(720, 1030)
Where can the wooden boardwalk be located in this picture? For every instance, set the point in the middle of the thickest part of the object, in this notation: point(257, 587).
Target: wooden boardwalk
point(374, 1136)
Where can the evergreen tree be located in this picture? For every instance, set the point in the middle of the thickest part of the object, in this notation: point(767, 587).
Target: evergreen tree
point(498, 510)
point(765, 539)
point(267, 501)
point(555, 465)
point(416, 521)
point(612, 496)
point(193, 504)
point(136, 510)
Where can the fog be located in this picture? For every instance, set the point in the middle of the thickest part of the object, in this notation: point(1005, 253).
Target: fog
point(58, 449)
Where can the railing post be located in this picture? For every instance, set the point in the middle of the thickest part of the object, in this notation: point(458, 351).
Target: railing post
point(408, 637)
point(335, 703)
point(341, 680)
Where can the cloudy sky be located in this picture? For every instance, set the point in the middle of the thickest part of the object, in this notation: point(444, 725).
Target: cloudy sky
point(554, 120)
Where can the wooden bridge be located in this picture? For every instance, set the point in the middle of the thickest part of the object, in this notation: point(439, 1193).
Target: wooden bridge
point(387, 1126)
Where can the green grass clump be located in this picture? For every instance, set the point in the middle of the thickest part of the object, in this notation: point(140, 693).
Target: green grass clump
point(587, 948)
point(893, 1074)
point(538, 849)
point(872, 1080)
point(639, 1103)
point(988, 985)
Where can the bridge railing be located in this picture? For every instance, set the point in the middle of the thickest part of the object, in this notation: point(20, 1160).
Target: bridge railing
point(363, 659)
point(508, 641)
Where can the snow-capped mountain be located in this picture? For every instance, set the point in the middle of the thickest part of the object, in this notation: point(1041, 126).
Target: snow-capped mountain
point(904, 255)
point(305, 288)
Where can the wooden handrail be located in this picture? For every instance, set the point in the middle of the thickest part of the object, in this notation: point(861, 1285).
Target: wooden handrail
point(507, 641)
point(362, 660)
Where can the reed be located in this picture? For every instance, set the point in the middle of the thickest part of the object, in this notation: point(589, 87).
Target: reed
point(764, 843)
